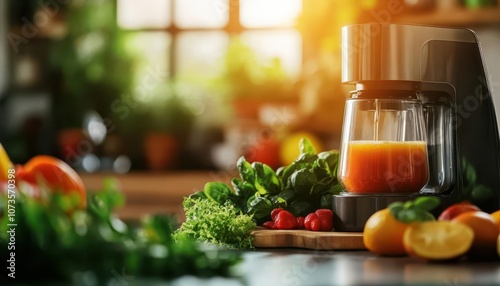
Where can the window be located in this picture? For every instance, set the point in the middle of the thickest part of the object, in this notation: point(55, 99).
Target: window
point(190, 37)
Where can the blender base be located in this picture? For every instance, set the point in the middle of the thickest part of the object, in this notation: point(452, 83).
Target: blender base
point(351, 211)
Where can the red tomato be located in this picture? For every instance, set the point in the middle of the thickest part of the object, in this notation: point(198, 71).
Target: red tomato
point(266, 150)
point(56, 174)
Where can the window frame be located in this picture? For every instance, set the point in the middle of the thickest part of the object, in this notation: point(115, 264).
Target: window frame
point(232, 28)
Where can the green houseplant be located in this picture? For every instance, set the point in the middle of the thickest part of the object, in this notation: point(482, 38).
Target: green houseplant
point(92, 64)
point(249, 83)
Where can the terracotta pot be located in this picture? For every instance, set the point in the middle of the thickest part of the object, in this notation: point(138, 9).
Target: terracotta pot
point(246, 108)
point(161, 151)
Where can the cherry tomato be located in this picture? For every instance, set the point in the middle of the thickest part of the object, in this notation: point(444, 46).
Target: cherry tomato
point(55, 173)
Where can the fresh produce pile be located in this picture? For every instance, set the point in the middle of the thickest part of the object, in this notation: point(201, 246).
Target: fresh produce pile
point(51, 231)
point(298, 190)
point(462, 231)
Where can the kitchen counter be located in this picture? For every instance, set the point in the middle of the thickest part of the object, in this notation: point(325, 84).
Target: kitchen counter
point(163, 193)
point(281, 267)
point(305, 267)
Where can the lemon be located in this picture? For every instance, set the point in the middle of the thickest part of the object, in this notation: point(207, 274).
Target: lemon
point(289, 150)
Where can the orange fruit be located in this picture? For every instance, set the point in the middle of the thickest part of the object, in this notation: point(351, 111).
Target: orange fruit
point(496, 218)
point(485, 232)
point(383, 234)
point(438, 240)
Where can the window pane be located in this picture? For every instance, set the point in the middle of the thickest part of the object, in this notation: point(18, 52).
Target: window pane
point(285, 45)
point(269, 13)
point(201, 13)
point(200, 53)
point(154, 49)
point(133, 14)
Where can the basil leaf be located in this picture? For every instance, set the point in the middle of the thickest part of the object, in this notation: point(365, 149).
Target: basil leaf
point(427, 203)
point(407, 215)
point(395, 208)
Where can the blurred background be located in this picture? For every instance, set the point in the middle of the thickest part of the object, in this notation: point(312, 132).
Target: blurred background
point(127, 85)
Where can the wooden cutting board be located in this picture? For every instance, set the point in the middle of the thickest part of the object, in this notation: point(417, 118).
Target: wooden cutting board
point(299, 238)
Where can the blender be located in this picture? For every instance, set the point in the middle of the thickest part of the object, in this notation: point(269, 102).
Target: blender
point(420, 121)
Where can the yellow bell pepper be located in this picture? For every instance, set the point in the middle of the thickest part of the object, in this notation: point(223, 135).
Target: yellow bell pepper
point(5, 164)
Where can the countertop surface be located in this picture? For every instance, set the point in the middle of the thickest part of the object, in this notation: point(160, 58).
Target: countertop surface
point(303, 267)
point(151, 193)
point(307, 267)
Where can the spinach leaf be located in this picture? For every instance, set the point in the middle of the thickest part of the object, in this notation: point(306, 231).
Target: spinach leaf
point(244, 190)
point(266, 181)
point(302, 181)
point(306, 147)
point(217, 191)
point(259, 207)
point(246, 171)
point(301, 208)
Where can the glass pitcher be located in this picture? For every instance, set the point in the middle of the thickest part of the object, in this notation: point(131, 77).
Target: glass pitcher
point(384, 147)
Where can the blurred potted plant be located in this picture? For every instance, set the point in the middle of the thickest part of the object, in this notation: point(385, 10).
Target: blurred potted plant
point(92, 66)
point(249, 83)
point(164, 121)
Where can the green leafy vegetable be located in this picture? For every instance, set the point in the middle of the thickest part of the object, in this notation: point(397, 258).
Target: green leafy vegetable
point(225, 216)
point(218, 192)
point(221, 224)
point(472, 190)
point(306, 147)
point(53, 244)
